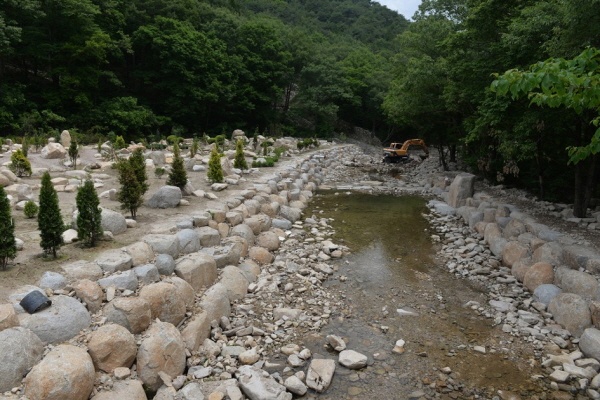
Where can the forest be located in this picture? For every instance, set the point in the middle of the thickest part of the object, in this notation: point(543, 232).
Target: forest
point(510, 86)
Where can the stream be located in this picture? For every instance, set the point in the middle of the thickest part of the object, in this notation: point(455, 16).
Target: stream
point(450, 351)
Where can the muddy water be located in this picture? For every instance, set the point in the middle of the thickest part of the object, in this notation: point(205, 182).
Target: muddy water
point(393, 266)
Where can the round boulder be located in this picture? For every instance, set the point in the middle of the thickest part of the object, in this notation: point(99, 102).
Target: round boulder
point(546, 292)
point(165, 263)
point(63, 320)
point(269, 240)
point(66, 373)
point(261, 255)
point(130, 390)
point(112, 346)
point(539, 274)
point(15, 364)
point(132, 313)
point(166, 302)
point(572, 312)
point(165, 197)
point(90, 293)
point(113, 221)
point(52, 280)
point(163, 350)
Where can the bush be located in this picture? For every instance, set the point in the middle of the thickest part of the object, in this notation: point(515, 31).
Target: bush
point(240, 160)
point(119, 143)
point(31, 209)
point(177, 175)
point(50, 222)
point(8, 247)
point(159, 172)
point(89, 219)
point(19, 164)
point(269, 162)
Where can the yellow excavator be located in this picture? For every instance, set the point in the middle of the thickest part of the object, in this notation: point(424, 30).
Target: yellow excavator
point(397, 152)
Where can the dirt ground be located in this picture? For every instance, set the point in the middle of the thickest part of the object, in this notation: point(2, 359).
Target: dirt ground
point(29, 265)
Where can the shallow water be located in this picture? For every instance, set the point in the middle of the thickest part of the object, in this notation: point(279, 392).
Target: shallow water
point(393, 266)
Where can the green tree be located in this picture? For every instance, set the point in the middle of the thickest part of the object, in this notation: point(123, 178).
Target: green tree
point(177, 175)
point(119, 143)
point(215, 170)
point(8, 247)
point(73, 153)
point(89, 217)
point(19, 164)
point(239, 160)
point(31, 209)
point(573, 85)
point(138, 164)
point(131, 194)
point(50, 222)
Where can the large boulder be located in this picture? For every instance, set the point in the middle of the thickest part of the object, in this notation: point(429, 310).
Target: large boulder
point(513, 252)
point(52, 280)
point(20, 350)
point(132, 313)
point(589, 343)
point(113, 221)
point(572, 312)
point(114, 260)
point(162, 350)
point(235, 281)
point(269, 240)
point(551, 253)
point(290, 213)
point(578, 282)
point(197, 269)
point(209, 236)
point(540, 273)
point(65, 139)
point(165, 197)
point(460, 190)
point(141, 253)
point(189, 241)
point(66, 373)
point(163, 244)
point(166, 302)
point(196, 331)
point(216, 302)
point(112, 346)
point(82, 270)
point(8, 317)
point(244, 231)
point(63, 320)
point(320, 373)
point(53, 151)
point(545, 293)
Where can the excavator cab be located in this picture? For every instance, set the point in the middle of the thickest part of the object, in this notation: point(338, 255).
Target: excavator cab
point(397, 152)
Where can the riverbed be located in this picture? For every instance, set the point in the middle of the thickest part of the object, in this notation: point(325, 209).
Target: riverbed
point(394, 288)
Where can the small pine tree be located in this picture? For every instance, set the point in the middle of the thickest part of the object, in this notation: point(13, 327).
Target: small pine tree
point(177, 175)
point(19, 164)
point(131, 194)
point(50, 222)
point(119, 143)
point(25, 145)
point(89, 219)
point(215, 170)
point(138, 163)
point(8, 247)
point(239, 160)
point(194, 147)
point(74, 153)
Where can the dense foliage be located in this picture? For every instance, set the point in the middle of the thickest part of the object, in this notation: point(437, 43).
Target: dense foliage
point(177, 174)
point(50, 222)
point(137, 68)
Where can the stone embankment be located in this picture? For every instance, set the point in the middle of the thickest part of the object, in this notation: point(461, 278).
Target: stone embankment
point(213, 310)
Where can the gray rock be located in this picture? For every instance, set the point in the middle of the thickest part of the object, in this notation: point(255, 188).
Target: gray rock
point(283, 224)
point(189, 241)
point(163, 244)
point(572, 312)
point(352, 359)
point(20, 350)
point(147, 273)
point(257, 386)
point(63, 320)
point(112, 346)
point(113, 221)
point(165, 263)
point(123, 281)
point(114, 260)
point(235, 282)
point(295, 385)
point(290, 213)
point(578, 282)
point(157, 157)
point(460, 190)
point(441, 208)
point(589, 343)
point(165, 197)
point(545, 293)
point(191, 391)
point(52, 280)
point(129, 389)
point(82, 270)
point(320, 373)
point(167, 303)
point(209, 236)
point(131, 312)
point(141, 253)
point(244, 231)
point(53, 151)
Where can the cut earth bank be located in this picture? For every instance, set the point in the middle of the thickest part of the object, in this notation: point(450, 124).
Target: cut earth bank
point(175, 312)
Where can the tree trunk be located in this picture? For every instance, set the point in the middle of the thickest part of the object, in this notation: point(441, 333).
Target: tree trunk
point(453, 153)
point(443, 157)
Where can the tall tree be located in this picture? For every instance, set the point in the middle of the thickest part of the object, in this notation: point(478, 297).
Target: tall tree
point(89, 217)
point(138, 164)
point(131, 194)
point(50, 222)
point(8, 247)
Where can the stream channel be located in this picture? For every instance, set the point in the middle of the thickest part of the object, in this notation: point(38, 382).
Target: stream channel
point(393, 266)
